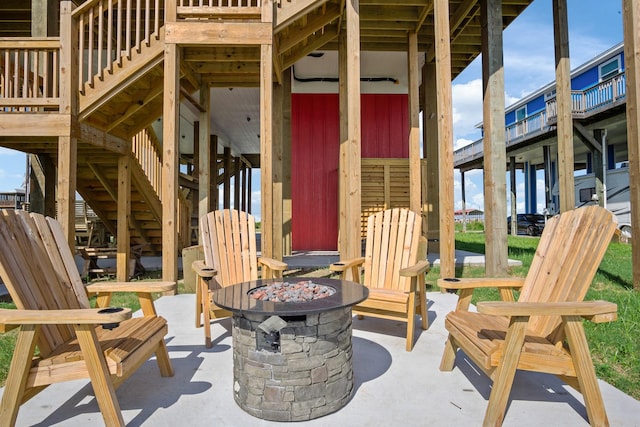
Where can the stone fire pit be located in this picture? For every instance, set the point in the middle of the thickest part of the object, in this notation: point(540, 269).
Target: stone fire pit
point(292, 360)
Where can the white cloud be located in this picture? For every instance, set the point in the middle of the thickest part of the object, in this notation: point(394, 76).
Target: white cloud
point(467, 108)
point(461, 142)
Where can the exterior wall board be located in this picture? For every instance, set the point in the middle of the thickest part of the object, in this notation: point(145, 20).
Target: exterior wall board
point(314, 158)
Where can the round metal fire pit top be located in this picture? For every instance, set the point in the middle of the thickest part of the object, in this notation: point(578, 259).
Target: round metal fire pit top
point(236, 298)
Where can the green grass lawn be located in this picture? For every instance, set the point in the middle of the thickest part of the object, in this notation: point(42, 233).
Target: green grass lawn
point(615, 346)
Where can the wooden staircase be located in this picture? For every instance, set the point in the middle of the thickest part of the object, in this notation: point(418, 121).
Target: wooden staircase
point(118, 60)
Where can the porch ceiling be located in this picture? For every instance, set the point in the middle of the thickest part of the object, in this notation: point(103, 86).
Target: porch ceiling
point(384, 25)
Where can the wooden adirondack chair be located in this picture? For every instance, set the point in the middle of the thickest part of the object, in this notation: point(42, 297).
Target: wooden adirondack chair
point(74, 341)
point(230, 257)
point(543, 331)
point(394, 267)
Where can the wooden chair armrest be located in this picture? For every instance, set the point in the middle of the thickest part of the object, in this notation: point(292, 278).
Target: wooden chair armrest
point(341, 266)
point(96, 316)
point(352, 265)
point(272, 264)
point(103, 287)
point(415, 270)
point(480, 282)
point(203, 270)
point(597, 311)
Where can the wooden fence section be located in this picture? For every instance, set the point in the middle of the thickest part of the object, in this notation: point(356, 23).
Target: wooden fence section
point(385, 185)
point(29, 76)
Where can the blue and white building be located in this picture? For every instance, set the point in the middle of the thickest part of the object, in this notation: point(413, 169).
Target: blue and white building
point(600, 139)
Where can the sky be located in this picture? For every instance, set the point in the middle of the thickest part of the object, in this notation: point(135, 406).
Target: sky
point(594, 26)
point(529, 63)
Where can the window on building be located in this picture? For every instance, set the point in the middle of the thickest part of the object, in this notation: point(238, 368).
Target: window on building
point(521, 113)
point(609, 68)
point(586, 194)
point(550, 95)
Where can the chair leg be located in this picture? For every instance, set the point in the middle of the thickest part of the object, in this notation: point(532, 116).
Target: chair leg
point(449, 354)
point(199, 285)
point(164, 362)
point(423, 308)
point(585, 372)
point(506, 371)
point(18, 373)
point(411, 321)
point(206, 309)
point(99, 375)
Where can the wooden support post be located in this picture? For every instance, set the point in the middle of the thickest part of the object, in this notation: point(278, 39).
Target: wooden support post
point(214, 200)
point(266, 136)
point(463, 191)
point(431, 209)
point(349, 169)
point(631, 20)
point(278, 148)
point(548, 178)
point(445, 135)
point(236, 183)
point(600, 135)
point(249, 173)
point(514, 200)
point(204, 155)
point(68, 145)
point(495, 149)
point(124, 213)
point(287, 207)
point(226, 195)
point(170, 162)
point(415, 180)
point(243, 185)
point(564, 106)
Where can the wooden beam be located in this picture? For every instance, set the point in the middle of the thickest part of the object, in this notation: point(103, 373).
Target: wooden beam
point(287, 236)
point(124, 214)
point(227, 159)
point(445, 134)
point(415, 179)
point(289, 11)
point(204, 156)
point(213, 33)
point(588, 139)
point(170, 162)
point(266, 135)
point(631, 19)
point(278, 148)
point(68, 144)
point(514, 204)
point(564, 105)
point(350, 149)
point(431, 200)
point(495, 149)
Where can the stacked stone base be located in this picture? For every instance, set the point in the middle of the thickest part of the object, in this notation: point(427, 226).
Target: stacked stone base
point(310, 376)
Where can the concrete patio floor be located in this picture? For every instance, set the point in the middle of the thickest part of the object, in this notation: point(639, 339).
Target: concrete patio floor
point(391, 385)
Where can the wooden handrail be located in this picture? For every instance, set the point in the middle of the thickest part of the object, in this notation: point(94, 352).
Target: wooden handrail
point(29, 75)
point(110, 30)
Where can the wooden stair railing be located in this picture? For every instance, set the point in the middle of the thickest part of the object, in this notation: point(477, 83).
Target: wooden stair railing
point(29, 76)
point(110, 30)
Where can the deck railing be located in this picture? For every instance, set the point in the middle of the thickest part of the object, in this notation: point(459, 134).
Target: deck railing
point(111, 30)
point(584, 102)
point(146, 152)
point(29, 76)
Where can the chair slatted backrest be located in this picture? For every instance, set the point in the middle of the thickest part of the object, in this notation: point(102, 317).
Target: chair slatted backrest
point(392, 244)
point(38, 268)
point(566, 260)
point(229, 243)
